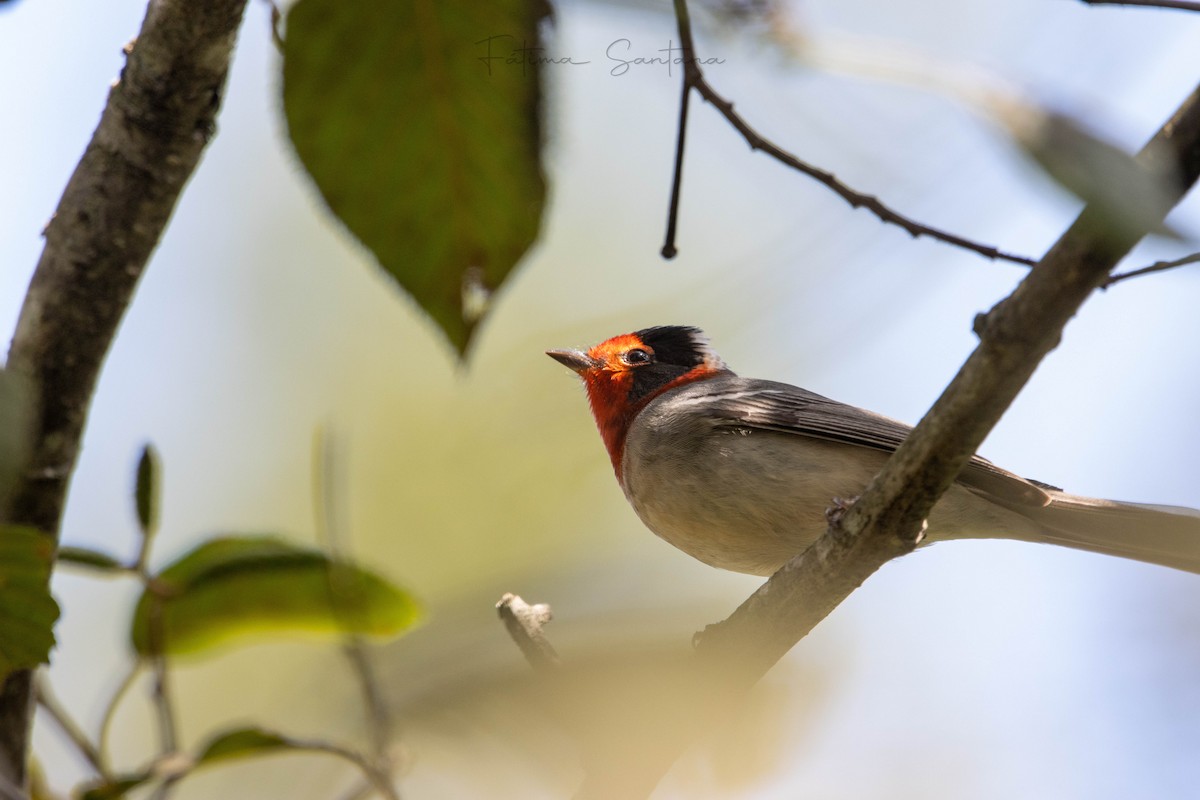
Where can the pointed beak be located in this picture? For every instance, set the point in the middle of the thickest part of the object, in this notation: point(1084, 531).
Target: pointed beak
point(574, 359)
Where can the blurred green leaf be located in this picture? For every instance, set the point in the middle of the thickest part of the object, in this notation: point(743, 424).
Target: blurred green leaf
point(16, 428)
point(115, 789)
point(27, 611)
point(146, 493)
point(235, 586)
point(91, 559)
point(242, 743)
point(423, 139)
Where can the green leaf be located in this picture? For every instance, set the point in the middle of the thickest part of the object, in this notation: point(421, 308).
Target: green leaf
point(242, 743)
point(235, 586)
point(424, 142)
point(146, 493)
point(90, 559)
point(116, 789)
point(27, 611)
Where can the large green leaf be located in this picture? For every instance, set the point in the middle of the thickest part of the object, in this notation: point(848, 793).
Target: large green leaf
point(242, 585)
point(27, 611)
point(422, 138)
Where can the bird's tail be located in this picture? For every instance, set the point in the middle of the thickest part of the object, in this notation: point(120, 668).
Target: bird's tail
point(1165, 535)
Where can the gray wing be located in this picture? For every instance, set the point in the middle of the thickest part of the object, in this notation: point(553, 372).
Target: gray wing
point(766, 405)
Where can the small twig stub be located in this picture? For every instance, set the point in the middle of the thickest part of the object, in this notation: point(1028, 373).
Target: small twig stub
point(524, 624)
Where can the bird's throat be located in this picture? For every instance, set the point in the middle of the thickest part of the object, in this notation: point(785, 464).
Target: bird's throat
point(615, 404)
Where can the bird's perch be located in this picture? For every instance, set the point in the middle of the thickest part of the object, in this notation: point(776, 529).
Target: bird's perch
point(885, 522)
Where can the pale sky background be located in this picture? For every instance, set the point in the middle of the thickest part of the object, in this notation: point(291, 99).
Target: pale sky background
point(970, 670)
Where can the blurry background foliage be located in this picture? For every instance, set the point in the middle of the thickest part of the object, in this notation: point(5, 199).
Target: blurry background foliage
point(1023, 671)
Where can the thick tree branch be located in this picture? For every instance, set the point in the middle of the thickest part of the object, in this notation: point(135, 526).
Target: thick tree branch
point(160, 116)
point(887, 520)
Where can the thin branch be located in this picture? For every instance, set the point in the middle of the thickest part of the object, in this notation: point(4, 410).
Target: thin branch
point(110, 713)
point(67, 724)
point(330, 531)
point(167, 784)
point(160, 116)
point(276, 25)
point(669, 250)
point(888, 519)
point(524, 623)
point(379, 779)
point(1158, 266)
point(379, 721)
point(1179, 5)
point(160, 689)
point(693, 78)
point(164, 708)
point(360, 792)
point(173, 768)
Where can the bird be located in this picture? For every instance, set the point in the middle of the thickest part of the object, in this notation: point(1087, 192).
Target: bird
point(740, 472)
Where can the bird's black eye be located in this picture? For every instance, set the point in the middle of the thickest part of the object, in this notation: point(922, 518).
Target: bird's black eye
point(636, 357)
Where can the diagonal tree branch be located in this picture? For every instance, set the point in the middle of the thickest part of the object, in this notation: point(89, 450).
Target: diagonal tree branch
point(159, 117)
point(887, 520)
point(693, 78)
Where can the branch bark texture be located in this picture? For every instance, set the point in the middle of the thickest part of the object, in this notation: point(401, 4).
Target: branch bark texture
point(887, 520)
point(160, 115)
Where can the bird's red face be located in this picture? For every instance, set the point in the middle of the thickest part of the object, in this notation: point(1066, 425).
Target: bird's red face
point(624, 373)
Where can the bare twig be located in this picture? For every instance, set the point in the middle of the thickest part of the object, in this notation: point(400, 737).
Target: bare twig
point(276, 25)
point(164, 708)
point(669, 250)
point(379, 779)
point(888, 518)
point(524, 623)
point(160, 689)
point(175, 767)
point(330, 530)
point(159, 118)
point(693, 78)
point(110, 712)
point(360, 791)
point(1158, 266)
point(379, 720)
point(67, 724)
point(1180, 5)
